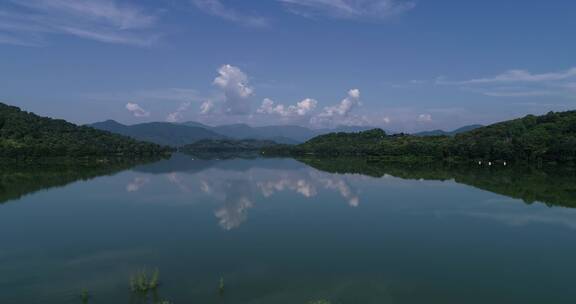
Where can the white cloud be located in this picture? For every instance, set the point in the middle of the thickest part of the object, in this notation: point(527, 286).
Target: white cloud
point(177, 115)
point(424, 118)
point(302, 108)
point(137, 110)
point(345, 106)
point(216, 8)
point(340, 114)
point(350, 9)
point(29, 22)
point(235, 85)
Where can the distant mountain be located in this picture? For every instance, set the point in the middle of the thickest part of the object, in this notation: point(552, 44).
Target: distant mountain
point(24, 134)
point(195, 124)
point(286, 134)
point(283, 134)
point(448, 133)
point(176, 135)
point(227, 145)
point(162, 133)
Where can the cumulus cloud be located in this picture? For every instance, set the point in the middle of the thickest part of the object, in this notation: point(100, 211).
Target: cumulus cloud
point(30, 22)
point(236, 88)
point(350, 9)
point(424, 118)
point(137, 110)
point(345, 106)
point(341, 112)
point(301, 108)
point(177, 115)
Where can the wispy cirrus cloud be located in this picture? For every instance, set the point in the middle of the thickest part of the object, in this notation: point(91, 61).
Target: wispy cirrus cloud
point(350, 9)
point(33, 22)
point(520, 83)
point(218, 9)
point(515, 76)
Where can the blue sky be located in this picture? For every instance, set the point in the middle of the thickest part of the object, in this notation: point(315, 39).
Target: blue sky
point(398, 64)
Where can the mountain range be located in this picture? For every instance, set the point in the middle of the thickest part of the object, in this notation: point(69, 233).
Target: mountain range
point(180, 134)
point(448, 133)
point(24, 134)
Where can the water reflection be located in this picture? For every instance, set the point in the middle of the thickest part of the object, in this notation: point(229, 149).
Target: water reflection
point(17, 181)
point(416, 233)
point(553, 186)
point(235, 186)
point(137, 183)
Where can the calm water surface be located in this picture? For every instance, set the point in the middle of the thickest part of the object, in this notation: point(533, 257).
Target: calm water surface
point(280, 231)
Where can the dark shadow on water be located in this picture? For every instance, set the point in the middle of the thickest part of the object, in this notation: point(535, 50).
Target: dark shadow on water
point(20, 179)
point(554, 186)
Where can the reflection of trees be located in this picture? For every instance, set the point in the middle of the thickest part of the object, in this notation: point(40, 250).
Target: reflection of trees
point(552, 186)
point(17, 181)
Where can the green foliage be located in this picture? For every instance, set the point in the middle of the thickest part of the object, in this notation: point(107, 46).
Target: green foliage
point(227, 145)
point(549, 138)
point(371, 143)
point(84, 296)
point(142, 281)
point(221, 285)
point(26, 135)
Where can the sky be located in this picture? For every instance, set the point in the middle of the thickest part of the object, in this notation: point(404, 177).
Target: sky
point(402, 65)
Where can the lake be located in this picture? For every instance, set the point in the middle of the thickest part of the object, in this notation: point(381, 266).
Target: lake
point(289, 231)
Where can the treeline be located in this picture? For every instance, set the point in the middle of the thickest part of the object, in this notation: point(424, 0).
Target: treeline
point(24, 135)
point(227, 145)
point(546, 138)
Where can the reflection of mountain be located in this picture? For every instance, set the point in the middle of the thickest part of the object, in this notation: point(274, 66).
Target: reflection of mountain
point(553, 187)
point(16, 182)
point(190, 164)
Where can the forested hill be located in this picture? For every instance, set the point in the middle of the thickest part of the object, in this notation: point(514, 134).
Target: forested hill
point(550, 138)
point(24, 134)
point(547, 137)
